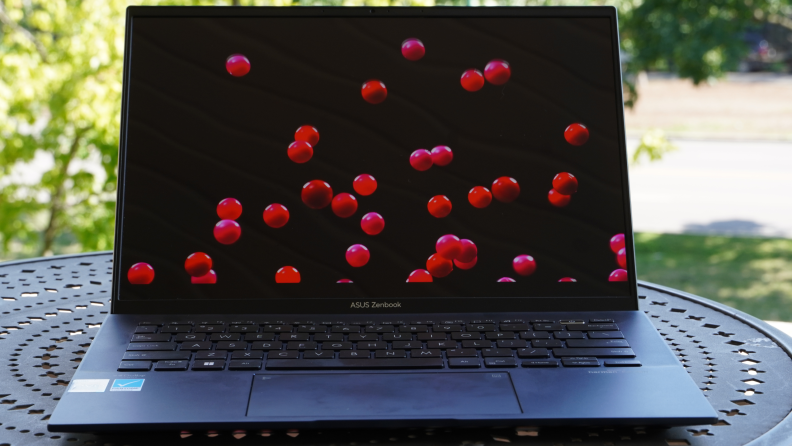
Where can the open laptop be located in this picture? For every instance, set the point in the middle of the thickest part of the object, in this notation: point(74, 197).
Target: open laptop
point(368, 217)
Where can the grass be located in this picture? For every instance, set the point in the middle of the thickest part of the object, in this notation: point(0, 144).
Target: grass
point(753, 275)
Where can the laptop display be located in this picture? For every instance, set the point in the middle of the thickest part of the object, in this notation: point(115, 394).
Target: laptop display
point(409, 158)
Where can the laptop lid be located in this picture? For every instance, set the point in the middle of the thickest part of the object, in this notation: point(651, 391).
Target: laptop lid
point(340, 160)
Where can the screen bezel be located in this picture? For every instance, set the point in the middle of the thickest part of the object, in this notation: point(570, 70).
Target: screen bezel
point(370, 305)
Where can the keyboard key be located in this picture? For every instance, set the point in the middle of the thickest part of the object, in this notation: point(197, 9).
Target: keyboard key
point(605, 335)
point(179, 323)
point(150, 338)
point(355, 337)
point(151, 346)
point(155, 356)
point(397, 337)
point(213, 354)
point(512, 343)
point(569, 335)
point(500, 362)
point(300, 345)
point(209, 328)
point(311, 329)
point(514, 327)
point(533, 353)
point(345, 364)
point(595, 352)
point(265, 345)
point(407, 345)
point(175, 329)
point(211, 322)
point(189, 337)
point(374, 345)
point(597, 343)
point(345, 329)
point(209, 365)
point(421, 328)
point(462, 352)
point(547, 343)
point(446, 328)
point(150, 323)
point(171, 365)
point(328, 337)
point(146, 329)
point(535, 335)
point(357, 354)
point(476, 344)
point(540, 363)
point(466, 335)
point(421, 323)
point(490, 352)
point(548, 327)
point(622, 363)
point(244, 355)
point(336, 346)
point(277, 328)
point(423, 353)
point(251, 337)
point(231, 345)
point(225, 337)
point(244, 364)
point(294, 337)
point(580, 362)
point(600, 321)
point(571, 322)
point(390, 354)
point(243, 323)
point(441, 344)
point(134, 366)
point(319, 354)
point(464, 362)
point(195, 346)
point(482, 327)
point(380, 329)
point(597, 327)
point(500, 335)
point(432, 336)
point(542, 321)
point(289, 354)
point(243, 329)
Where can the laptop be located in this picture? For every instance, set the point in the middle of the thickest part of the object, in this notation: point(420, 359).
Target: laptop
point(374, 217)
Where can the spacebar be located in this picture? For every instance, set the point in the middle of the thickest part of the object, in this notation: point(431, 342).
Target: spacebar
point(337, 364)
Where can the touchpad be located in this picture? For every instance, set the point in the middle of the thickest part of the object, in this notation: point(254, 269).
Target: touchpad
point(392, 394)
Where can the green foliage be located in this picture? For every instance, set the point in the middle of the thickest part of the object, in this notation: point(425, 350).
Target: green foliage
point(653, 145)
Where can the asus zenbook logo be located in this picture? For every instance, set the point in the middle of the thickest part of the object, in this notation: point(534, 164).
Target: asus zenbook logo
point(375, 305)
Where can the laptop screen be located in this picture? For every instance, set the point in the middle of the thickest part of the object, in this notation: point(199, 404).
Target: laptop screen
point(305, 157)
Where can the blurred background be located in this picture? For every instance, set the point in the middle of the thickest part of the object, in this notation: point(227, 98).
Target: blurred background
point(709, 126)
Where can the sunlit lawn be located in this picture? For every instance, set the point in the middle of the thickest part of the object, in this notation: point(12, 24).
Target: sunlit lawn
point(751, 274)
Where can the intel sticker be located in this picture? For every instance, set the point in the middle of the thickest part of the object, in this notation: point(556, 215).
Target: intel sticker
point(88, 385)
point(127, 385)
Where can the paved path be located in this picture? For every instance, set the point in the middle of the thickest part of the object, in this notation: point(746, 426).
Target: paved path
point(715, 187)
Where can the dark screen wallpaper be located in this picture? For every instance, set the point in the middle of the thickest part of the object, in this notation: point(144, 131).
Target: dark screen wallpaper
point(213, 107)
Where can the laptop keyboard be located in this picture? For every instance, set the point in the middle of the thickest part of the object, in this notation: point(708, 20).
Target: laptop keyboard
point(418, 344)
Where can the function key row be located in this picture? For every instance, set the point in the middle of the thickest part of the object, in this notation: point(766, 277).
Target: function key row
point(391, 322)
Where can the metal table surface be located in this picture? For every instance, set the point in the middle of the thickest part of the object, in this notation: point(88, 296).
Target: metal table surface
point(52, 307)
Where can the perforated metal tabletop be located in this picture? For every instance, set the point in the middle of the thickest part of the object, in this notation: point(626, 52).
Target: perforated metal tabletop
point(52, 307)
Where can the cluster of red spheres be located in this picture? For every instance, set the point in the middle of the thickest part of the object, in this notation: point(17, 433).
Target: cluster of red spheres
point(140, 274)
point(439, 206)
point(276, 215)
point(374, 91)
point(480, 197)
point(413, 49)
point(618, 247)
point(564, 185)
point(505, 189)
point(576, 134)
point(357, 255)
point(422, 159)
point(198, 264)
point(497, 72)
point(365, 184)
point(450, 251)
point(208, 278)
point(287, 274)
point(316, 194)
point(237, 65)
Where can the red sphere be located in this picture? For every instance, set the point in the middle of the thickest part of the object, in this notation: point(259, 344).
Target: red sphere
point(466, 265)
point(505, 189)
point(357, 255)
point(449, 246)
point(497, 72)
point(308, 134)
point(237, 65)
point(364, 184)
point(317, 194)
point(344, 281)
point(229, 209)
point(439, 206)
point(372, 223)
point(621, 258)
point(442, 155)
point(617, 243)
point(524, 265)
point(374, 91)
point(576, 134)
point(567, 279)
point(472, 80)
point(227, 231)
point(198, 264)
point(208, 278)
point(558, 199)
point(506, 279)
point(344, 205)
point(480, 197)
point(421, 160)
point(439, 266)
point(413, 49)
point(287, 274)
point(419, 275)
point(619, 275)
point(140, 274)
point(300, 152)
point(276, 215)
point(565, 183)
point(469, 251)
